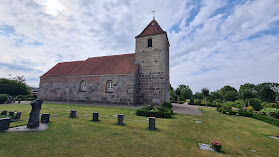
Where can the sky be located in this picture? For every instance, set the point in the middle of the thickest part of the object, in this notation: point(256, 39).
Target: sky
point(213, 43)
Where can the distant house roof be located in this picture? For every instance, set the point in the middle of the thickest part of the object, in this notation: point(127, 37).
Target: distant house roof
point(152, 29)
point(117, 64)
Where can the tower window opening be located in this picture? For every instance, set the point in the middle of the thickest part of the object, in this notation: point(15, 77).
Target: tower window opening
point(149, 43)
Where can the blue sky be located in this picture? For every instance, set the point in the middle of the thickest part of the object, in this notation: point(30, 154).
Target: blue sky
point(213, 42)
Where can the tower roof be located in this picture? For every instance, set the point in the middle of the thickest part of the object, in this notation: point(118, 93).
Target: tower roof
point(153, 28)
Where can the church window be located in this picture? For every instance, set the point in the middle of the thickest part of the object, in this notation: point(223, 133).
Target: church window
point(109, 87)
point(149, 43)
point(82, 86)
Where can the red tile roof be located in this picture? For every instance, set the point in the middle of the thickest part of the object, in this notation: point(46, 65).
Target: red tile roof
point(152, 29)
point(117, 64)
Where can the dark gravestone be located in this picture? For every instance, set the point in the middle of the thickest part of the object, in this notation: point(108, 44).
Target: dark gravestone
point(11, 113)
point(19, 101)
point(152, 123)
point(10, 100)
point(95, 116)
point(5, 124)
point(18, 115)
point(73, 114)
point(35, 114)
point(120, 120)
point(45, 118)
point(4, 112)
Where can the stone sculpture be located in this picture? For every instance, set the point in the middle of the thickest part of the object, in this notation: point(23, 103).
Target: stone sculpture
point(35, 114)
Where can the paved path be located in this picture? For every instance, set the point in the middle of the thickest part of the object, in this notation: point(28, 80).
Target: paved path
point(186, 109)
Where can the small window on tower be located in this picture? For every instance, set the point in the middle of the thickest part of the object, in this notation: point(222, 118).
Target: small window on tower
point(149, 43)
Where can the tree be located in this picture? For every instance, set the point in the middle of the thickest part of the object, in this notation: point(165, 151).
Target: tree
point(215, 95)
point(247, 91)
point(13, 87)
point(205, 92)
point(186, 92)
point(198, 95)
point(178, 92)
point(267, 94)
point(231, 96)
point(226, 89)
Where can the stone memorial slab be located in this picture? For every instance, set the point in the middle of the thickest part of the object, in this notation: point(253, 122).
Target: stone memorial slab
point(4, 112)
point(205, 146)
point(73, 114)
point(45, 118)
point(95, 116)
point(42, 127)
point(152, 123)
point(274, 137)
point(120, 119)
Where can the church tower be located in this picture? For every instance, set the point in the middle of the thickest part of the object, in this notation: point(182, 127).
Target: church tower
point(152, 56)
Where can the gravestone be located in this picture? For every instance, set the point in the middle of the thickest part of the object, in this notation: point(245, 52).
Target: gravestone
point(73, 114)
point(34, 114)
point(18, 115)
point(45, 117)
point(11, 113)
point(120, 120)
point(152, 123)
point(95, 116)
point(5, 123)
point(10, 100)
point(4, 113)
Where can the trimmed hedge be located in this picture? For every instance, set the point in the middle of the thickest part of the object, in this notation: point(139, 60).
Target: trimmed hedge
point(252, 115)
point(3, 98)
point(208, 104)
point(157, 114)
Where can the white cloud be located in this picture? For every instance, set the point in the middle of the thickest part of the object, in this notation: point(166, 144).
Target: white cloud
point(212, 49)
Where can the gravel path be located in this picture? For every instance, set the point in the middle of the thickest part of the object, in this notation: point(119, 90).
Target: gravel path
point(186, 109)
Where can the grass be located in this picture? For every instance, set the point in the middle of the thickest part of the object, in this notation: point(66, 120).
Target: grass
point(178, 136)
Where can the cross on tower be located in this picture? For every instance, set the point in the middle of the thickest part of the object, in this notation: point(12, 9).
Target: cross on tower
point(153, 15)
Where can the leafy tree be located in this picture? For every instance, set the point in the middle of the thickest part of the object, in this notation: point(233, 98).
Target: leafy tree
point(273, 86)
point(198, 95)
point(267, 94)
point(215, 95)
point(256, 104)
point(13, 87)
point(226, 89)
point(230, 96)
point(186, 92)
point(247, 91)
point(178, 92)
point(205, 93)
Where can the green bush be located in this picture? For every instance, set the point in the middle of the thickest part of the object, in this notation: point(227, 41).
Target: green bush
point(272, 105)
point(3, 98)
point(182, 102)
point(256, 104)
point(271, 112)
point(197, 101)
point(167, 105)
point(155, 113)
point(250, 108)
point(253, 115)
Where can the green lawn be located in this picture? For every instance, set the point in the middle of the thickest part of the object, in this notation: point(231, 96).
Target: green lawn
point(178, 136)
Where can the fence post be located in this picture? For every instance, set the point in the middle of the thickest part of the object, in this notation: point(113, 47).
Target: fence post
point(152, 123)
point(73, 114)
point(95, 116)
point(45, 118)
point(120, 120)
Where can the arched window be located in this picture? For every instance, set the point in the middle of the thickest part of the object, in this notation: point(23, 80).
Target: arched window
point(82, 86)
point(109, 87)
point(149, 43)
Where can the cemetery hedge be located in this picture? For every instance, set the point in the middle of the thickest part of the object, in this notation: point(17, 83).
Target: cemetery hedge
point(3, 98)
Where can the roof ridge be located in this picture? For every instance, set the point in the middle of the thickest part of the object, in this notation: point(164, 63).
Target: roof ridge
point(77, 67)
point(113, 55)
point(152, 28)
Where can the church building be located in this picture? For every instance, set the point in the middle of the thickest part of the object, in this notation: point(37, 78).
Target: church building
point(137, 78)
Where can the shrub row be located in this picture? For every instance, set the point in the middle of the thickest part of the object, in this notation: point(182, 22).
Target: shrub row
point(208, 104)
point(252, 115)
point(155, 113)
